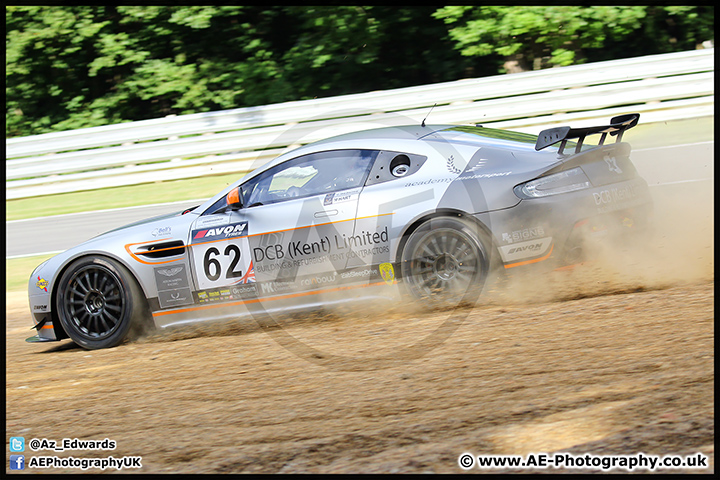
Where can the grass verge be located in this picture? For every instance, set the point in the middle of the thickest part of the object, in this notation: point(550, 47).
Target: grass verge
point(18, 271)
point(117, 197)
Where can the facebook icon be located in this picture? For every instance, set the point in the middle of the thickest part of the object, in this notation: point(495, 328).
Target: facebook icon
point(17, 462)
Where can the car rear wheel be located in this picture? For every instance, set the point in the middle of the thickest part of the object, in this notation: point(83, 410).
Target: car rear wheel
point(445, 261)
point(99, 303)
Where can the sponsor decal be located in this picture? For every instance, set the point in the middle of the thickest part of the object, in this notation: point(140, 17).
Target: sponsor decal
point(431, 181)
point(271, 288)
point(339, 197)
point(249, 276)
point(233, 230)
point(243, 291)
point(175, 298)
point(326, 247)
point(226, 294)
point(480, 163)
point(318, 280)
point(525, 250)
point(523, 234)
point(615, 198)
point(161, 232)
point(42, 308)
point(478, 176)
point(171, 278)
point(347, 195)
point(614, 195)
point(362, 239)
point(450, 164)
point(41, 284)
point(212, 221)
point(358, 273)
point(173, 286)
point(300, 248)
point(612, 164)
point(387, 272)
point(169, 272)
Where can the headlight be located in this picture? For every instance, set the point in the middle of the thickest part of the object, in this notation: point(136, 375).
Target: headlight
point(561, 182)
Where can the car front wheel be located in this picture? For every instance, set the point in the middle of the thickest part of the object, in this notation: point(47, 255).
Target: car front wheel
point(99, 303)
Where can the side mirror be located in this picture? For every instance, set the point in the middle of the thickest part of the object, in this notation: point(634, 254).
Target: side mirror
point(233, 199)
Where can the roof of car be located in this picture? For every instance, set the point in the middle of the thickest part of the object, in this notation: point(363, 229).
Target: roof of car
point(471, 135)
point(478, 136)
point(468, 134)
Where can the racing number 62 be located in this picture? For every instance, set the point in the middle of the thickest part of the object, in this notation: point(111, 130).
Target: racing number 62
point(213, 268)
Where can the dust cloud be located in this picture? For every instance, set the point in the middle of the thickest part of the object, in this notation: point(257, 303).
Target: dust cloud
point(677, 248)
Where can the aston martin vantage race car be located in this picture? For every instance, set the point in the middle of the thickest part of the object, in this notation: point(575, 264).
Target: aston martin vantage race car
point(423, 211)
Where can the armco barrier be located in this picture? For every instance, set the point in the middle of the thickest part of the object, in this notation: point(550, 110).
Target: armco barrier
point(660, 87)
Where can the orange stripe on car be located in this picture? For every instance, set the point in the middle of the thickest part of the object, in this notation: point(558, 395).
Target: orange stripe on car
point(256, 300)
point(127, 247)
point(528, 262)
point(295, 228)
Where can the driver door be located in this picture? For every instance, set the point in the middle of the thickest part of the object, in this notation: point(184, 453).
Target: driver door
point(290, 234)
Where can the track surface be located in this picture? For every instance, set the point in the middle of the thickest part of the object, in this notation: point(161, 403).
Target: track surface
point(613, 358)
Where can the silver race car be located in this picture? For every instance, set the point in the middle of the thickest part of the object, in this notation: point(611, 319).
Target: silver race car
point(424, 212)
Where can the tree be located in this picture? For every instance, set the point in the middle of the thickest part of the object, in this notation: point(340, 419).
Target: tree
point(81, 66)
point(70, 67)
point(547, 36)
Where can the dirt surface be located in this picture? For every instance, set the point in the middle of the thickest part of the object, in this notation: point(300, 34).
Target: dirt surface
point(612, 358)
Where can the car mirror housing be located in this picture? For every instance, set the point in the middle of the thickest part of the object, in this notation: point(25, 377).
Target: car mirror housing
point(233, 199)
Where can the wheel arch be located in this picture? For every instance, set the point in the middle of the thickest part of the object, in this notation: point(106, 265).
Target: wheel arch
point(482, 230)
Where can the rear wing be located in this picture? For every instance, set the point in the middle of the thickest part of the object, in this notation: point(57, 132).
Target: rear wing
point(617, 126)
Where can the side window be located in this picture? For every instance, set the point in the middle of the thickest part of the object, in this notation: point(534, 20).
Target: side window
point(393, 165)
point(314, 174)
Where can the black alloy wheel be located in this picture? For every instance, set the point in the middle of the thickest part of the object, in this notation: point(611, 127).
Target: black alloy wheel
point(98, 303)
point(445, 260)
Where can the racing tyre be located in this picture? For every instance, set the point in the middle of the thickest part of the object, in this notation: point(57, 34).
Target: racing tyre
point(445, 261)
point(99, 303)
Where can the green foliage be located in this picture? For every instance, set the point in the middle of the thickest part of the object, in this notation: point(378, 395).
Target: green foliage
point(71, 67)
point(540, 37)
